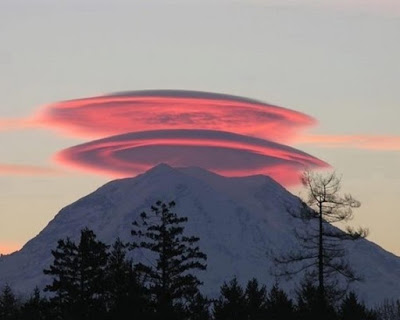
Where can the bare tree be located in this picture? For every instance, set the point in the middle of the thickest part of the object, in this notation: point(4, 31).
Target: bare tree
point(321, 253)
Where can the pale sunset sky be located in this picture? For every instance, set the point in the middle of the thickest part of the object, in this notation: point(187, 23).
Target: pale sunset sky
point(334, 60)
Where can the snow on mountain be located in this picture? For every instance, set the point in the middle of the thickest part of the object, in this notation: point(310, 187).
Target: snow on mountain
point(237, 219)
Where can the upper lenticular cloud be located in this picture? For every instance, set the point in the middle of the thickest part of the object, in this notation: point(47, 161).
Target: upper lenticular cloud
point(222, 152)
point(171, 109)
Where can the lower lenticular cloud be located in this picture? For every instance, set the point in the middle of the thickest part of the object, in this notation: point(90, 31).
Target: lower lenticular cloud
point(171, 109)
point(222, 152)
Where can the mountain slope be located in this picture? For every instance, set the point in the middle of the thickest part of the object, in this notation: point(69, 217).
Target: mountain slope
point(237, 219)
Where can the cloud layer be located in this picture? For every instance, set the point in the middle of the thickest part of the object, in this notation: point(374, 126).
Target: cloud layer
point(227, 134)
point(171, 109)
point(222, 152)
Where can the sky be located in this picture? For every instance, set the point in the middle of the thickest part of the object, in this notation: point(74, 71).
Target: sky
point(335, 63)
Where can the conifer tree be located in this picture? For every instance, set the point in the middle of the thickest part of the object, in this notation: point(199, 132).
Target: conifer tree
point(36, 307)
point(118, 274)
point(63, 272)
point(279, 306)
point(124, 289)
point(172, 257)
point(232, 302)
point(198, 308)
point(351, 308)
point(9, 304)
point(310, 305)
point(256, 300)
point(78, 275)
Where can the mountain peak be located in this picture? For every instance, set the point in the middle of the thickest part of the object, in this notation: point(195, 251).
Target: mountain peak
point(160, 168)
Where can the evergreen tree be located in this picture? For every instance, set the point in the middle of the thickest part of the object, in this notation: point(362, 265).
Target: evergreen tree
point(279, 306)
point(78, 276)
point(310, 305)
point(36, 307)
point(232, 302)
point(9, 304)
point(198, 308)
point(352, 309)
point(124, 289)
point(63, 272)
point(256, 300)
point(169, 277)
point(118, 275)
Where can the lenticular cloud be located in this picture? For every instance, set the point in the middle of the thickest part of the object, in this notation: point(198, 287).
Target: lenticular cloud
point(223, 152)
point(230, 135)
point(171, 109)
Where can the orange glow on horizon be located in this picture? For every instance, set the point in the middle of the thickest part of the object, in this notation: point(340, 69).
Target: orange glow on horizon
point(7, 248)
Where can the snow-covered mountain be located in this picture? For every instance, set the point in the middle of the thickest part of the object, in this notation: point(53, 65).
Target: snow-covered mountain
point(237, 219)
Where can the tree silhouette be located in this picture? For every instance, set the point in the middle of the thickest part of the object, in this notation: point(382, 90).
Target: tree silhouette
point(310, 305)
point(279, 306)
point(172, 259)
point(78, 275)
point(256, 300)
point(322, 254)
point(124, 289)
point(232, 302)
point(9, 304)
point(36, 307)
point(351, 308)
point(198, 308)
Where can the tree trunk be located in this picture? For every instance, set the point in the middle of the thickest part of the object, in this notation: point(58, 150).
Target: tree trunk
point(321, 287)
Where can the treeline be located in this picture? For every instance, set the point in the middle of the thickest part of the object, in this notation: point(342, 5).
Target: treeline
point(89, 279)
point(126, 298)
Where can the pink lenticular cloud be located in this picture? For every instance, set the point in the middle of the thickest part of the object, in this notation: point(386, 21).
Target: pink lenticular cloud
point(222, 152)
point(357, 141)
point(181, 128)
point(26, 170)
point(171, 109)
point(227, 134)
